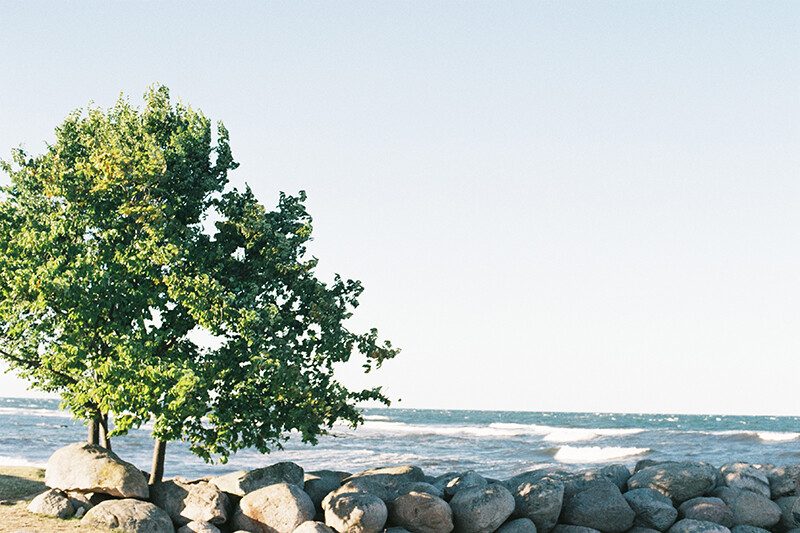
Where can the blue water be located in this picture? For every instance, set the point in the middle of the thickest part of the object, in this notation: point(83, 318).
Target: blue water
point(498, 444)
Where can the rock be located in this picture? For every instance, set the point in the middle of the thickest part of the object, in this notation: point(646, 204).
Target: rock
point(481, 509)
point(746, 477)
point(563, 528)
point(420, 486)
point(616, 474)
point(697, 526)
point(199, 502)
point(782, 480)
point(313, 527)
point(538, 497)
point(749, 508)
point(520, 525)
point(678, 481)
point(84, 467)
point(319, 484)
point(357, 512)
point(748, 529)
point(242, 482)
point(80, 502)
point(392, 476)
point(640, 529)
point(199, 527)
point(653, 510)
point(419, 512)
point(131, 516)
point(796, 510)
point(708, 509)
point(276, 508)
point(600, 506)
point(54, 503)
point(364, 485)
point(463, 481)
point(787, 521)
point(440, 482)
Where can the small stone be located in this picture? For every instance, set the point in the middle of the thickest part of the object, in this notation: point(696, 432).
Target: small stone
point(54, 503)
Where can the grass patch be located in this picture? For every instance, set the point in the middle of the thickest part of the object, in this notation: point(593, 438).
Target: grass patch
point(19, 485)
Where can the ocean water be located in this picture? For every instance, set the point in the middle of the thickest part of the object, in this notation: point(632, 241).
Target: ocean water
point(497, 444)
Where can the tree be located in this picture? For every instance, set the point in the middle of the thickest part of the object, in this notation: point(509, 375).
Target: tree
point(111, 275)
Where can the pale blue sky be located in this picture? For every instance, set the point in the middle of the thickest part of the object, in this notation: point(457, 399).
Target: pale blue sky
point(586, 206)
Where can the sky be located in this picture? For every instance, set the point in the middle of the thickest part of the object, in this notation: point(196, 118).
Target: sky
point(553, 206)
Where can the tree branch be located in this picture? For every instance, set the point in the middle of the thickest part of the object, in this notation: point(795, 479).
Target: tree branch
point(36, 365)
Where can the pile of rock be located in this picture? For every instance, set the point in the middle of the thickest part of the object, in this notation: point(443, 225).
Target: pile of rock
point(686, 497)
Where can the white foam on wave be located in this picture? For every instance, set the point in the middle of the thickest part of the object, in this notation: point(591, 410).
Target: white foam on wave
point(502, 429)
point(18, 411)
point(377, 417)
point(595, 454)
point(557, 434)
point(777, 436)
point(19, 461)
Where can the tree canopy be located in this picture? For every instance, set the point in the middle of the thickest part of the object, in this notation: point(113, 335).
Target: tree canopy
point(134, 281)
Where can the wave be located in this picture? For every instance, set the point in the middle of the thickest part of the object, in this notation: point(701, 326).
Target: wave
point(501, 430)
point(760, 436)
point(19, 461)
point(595, 454)
point(557, 434)
point(380, 418)
point(18, 411)
point(777, 436)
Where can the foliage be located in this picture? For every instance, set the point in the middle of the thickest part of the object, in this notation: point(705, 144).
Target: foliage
point(111, 276)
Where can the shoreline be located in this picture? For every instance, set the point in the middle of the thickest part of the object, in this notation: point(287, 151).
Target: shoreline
point(662, 496)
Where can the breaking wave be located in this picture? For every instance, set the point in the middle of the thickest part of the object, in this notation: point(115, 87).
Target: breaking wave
point(594, 454)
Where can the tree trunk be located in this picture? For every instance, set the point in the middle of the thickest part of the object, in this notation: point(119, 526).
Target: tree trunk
point(105, 440)
point(159, 452)
point(94, 431)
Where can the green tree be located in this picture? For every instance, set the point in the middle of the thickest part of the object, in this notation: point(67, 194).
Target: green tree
point(120, 294)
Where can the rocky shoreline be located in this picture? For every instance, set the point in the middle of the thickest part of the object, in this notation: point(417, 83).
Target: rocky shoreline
point(676, 497)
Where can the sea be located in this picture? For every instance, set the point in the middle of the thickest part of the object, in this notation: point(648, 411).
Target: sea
point(496, 444)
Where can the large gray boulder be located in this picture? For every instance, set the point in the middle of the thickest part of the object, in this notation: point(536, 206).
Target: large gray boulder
point(788, 520)
point(392, 476)
point(463, 481)
point(420, 486)
point(277, 508)
point(84, 467)
point(243, 482)
point(748, 529)
point(130, 516)
point(653, 510)
point(538, 497)
point(419, 512)
point(481, 509)
point(198, 527)
point(600, 506)
point(321, 483)
point(54, 503)
point(746, 477)
point(749, 508)
point(564, 528)
point(364, 485)
point(616, 474)
point(708, 509)
point(697, 526)
point(520, 525)
point(355, 512)
point(198, 502)
point(782, 480)
point(678, 481)
point(313, 527)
